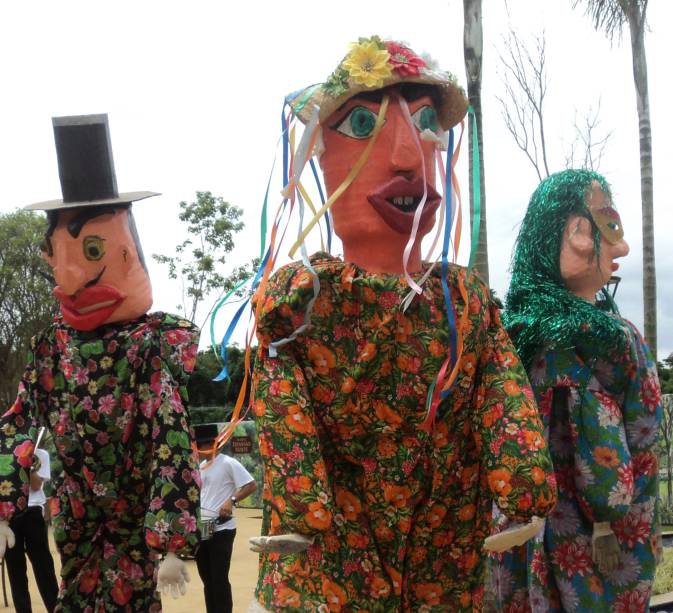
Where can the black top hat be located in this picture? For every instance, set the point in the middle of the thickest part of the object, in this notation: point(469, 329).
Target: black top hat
point(85, 165)
point(205, 433)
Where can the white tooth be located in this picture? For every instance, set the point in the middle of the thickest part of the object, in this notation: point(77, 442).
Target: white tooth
point(398, 201)
point(95, 307)
point(409, 200)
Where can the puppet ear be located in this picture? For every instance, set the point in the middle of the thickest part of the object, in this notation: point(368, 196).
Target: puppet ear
point(578, 236)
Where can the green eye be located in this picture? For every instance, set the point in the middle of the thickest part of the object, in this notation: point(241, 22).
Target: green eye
point(93, 248)
point(613, 225)
point(425, 118)
point(359, 123)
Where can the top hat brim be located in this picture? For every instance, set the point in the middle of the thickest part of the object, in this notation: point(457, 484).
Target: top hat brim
point(124, 198)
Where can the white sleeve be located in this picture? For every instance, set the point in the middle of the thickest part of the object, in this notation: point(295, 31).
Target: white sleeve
point(240, 475)
point(45, 469)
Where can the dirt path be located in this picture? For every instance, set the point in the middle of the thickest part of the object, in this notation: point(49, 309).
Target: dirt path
point(243, 574)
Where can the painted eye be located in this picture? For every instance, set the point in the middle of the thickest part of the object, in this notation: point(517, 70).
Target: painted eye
point(425, 118)
point(359, 123)
point(93, 248)
point(613, 225)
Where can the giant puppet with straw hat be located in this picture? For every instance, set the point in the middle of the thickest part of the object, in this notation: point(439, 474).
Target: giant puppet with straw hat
point(390, 403)
point(108, 379)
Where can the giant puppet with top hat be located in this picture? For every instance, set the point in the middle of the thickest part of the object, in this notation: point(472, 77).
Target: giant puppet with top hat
point(390, 403)
point(108, 380)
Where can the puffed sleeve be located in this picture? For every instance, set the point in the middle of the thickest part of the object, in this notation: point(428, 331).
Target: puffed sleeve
point(17, 428)
point(508, 428)
point(297, 495)
point(171, 519)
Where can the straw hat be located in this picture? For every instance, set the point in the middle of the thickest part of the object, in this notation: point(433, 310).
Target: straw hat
point(371, 64)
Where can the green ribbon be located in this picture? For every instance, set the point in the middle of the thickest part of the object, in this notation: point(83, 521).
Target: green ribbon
point(476, 189)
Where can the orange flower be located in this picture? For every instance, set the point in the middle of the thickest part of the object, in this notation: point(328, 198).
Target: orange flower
point(386, 448)
point(298, 421)
point(469, 560)
point(335, 596)
point(537, 475)
point(322, 394)
point(606, 457)
point(302, 279)
point(258, 407)
point(383, 533)
point(368, 295)
point(350, 308)
point(323, 306)
point(469, 364)
point(430, 593)
point(595, 585)
point(511, 388)
point(321, 357)
point(287, 597)
point(348, 503)
point(285, 386)
point(468, 476)
point(357, 541)
point(498, 481)
point(436, 348)
point(348, 385)
point(465, 599)
point(279, 503)
point(318, 516)
point(466, 513)
point(379, 587)
point(534, 439)
point(385, 368)
point(396, 579)
point(331, 542)
point(436, 515)
point(298, 484)
point(441, 434)
point(385, 413)
point(367, 353)
point(404, 328)
point(396, 494)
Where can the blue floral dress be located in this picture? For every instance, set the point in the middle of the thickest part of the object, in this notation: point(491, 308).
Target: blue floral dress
point(601, 418)
point(114, 401)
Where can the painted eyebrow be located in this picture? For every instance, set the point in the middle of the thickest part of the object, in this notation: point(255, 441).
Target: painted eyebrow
point(76, 224)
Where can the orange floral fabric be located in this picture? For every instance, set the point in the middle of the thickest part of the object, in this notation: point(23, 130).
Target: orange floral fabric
point(399, 515)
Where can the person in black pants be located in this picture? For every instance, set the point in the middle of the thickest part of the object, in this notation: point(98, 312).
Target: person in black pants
point(225, 481)
point(30, 531)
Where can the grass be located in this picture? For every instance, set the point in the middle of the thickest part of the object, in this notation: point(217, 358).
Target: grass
point(663, 580)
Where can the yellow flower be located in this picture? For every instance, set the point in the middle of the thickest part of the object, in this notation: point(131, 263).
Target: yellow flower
point(6, 488)
point(164, 452)
point(367, 64)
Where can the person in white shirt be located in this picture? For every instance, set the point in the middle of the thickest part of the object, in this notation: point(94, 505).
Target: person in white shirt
point(225, 482)
point(30, 532)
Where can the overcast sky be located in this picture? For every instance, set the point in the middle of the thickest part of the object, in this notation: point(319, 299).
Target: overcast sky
point(194, 93)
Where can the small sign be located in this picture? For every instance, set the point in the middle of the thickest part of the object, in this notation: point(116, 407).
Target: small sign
point(241, 444)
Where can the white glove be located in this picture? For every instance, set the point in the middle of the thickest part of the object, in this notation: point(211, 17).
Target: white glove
point(6, 538)
point(605, 551)
point(513, 537)
point(172, 576)
point(281, 543)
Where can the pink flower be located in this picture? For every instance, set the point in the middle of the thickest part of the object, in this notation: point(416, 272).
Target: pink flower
point(403, 60)
point(24, 453)
point(573, 558)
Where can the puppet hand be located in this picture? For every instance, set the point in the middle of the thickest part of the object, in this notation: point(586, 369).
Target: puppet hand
point(513, 537)
point(282, 543)
point(605, 550)
point(172, 576)
point(6, 538)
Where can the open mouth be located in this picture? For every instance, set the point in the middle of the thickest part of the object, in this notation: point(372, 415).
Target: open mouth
point(95, 307)
point(397, 201)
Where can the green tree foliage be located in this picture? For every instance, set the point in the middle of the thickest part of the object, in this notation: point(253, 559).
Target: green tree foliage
point(26, 302)
point(213, 401)
point(201, 258)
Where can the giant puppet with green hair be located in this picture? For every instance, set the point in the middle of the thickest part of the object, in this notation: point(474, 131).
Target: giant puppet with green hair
point(390, 404)
point(596, 386)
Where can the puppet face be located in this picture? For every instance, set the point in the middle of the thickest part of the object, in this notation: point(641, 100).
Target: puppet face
point(583, 271)
point(99, 276)
point(377, 209)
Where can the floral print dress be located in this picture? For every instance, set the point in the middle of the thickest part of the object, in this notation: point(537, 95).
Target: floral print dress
point(399, 516)
point(601, 416)
point(115, 402)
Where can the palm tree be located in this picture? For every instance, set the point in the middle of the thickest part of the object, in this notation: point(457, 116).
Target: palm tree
point(472, 50)
point(610, 16)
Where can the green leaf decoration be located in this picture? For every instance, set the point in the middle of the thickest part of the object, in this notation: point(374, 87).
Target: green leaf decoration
point(86, 350)
point(6, 465)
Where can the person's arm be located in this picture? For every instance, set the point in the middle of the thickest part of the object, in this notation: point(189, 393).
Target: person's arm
point(509, 431)
point(240, 494)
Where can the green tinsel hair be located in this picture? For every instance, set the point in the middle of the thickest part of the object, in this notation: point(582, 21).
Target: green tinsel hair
point(540, 311)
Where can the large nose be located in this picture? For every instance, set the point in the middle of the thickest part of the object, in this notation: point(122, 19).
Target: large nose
point(621, 249)
point(70, 278)
point(405, 156)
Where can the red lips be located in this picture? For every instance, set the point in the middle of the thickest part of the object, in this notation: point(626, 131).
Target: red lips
point(399, 220)
point(90, 307)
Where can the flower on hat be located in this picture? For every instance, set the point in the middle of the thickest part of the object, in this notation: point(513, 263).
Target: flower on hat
point(403, 60)
point(367, 63)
